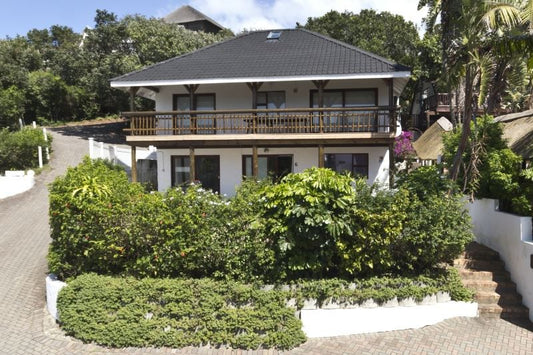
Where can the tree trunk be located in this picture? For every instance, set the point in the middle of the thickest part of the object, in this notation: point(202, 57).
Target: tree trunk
point(454, 173)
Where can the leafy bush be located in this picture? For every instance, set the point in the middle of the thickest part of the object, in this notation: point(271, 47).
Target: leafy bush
point(123, 312)
point(306, 214)
point(102, 223)
point(312, 225)
point(18, 149)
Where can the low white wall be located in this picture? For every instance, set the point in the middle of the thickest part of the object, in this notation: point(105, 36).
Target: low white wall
point(509, 235)
point(53, 286)
point(336, 322)
point(120, 155)
point(16, 182)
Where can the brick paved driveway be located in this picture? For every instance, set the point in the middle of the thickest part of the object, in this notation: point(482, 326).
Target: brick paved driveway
point(26, 328)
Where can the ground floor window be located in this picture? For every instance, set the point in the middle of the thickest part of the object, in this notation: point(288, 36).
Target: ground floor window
point(274, 166)
point(357, 164)
point(207, 168)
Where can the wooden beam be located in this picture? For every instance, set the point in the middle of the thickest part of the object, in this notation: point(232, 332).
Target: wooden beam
point(133, 91)
point(391, 165)
point(192, 165)
point(320, 85)
point(254, 87)
point(152, 88)
point(255, 162)
point(191, 89)
point(133, 164)
point(320, 155)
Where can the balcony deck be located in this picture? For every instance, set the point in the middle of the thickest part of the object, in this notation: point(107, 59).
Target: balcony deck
point(301, 126)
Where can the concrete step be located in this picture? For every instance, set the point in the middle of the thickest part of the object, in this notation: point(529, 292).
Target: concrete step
point(489, 285)
point(481, 265)
point(505, 312)
point(505, 299)
point(484, 275)
point(480, 252)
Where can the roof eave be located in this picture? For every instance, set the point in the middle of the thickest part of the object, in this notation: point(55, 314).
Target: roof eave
point(360, 76)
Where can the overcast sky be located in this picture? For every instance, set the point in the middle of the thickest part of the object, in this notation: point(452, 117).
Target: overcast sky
point(20, 16)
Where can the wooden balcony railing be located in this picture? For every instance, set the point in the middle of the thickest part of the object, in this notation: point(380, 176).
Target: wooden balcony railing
point(278, 121)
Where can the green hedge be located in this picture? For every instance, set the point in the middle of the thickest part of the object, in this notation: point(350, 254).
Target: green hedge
point(121, 312)
point(18, 149)
point(315, 224)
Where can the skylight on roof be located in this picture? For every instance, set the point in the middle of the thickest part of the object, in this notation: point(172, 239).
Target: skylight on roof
point(274, 35)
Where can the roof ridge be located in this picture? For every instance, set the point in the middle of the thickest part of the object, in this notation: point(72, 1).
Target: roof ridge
point(179, 56)
point(347, 45)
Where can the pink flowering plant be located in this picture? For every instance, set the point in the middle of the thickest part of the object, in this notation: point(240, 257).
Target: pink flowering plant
point(403, 148)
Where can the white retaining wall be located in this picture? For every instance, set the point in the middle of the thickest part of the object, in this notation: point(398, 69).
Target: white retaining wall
point(16, 182)
point(53, 286)
point(335, 322)
point(511, 236)
point(119, 154)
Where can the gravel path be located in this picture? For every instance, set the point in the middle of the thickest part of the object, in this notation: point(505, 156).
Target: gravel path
point(26, 328)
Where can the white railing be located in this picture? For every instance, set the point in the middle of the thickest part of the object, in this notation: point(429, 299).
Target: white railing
point(511, 236)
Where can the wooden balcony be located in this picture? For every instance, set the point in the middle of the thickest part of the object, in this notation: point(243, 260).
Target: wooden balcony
point(182, 128)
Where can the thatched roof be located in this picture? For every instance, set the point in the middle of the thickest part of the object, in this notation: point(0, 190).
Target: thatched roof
point(187, 14)
point(518, 131)
point(429, 145)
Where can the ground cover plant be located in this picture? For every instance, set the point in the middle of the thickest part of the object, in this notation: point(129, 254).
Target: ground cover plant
point(167, 312)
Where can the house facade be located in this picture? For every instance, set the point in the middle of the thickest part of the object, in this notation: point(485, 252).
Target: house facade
point(267, 103)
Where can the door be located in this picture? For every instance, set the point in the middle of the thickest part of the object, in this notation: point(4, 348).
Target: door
point(208, 171)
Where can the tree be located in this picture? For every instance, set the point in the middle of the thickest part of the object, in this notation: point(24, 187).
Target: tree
point(490, 168)
point(12, 102)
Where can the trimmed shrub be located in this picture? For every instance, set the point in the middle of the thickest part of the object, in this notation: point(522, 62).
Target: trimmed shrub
point(18, 149)
point(102, 223)
point(121, 312)
point(311, 225)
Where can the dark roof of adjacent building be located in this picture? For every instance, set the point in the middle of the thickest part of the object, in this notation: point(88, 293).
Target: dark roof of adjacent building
point(518, 131)
point(187, 14)
point(297, 53)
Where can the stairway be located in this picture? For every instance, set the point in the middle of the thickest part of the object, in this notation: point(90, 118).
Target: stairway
point(482, 271)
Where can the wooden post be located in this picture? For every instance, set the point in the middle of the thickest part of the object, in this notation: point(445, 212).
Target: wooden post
point(191, 89)
point(255, 162)
point(192, 165)
point(133, 164)
point(320, 85)
point(133, 92)
point(254, 87)
point(391, 164)
point(392, 121)
point(320, 155)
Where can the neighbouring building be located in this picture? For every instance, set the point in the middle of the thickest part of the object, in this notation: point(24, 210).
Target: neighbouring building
point(193, 20)
point(518, 132)
point(429, 146)
point(267, 103)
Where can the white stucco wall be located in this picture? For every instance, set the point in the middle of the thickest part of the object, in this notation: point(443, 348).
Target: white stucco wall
point(511, 236)
point(303, 158)
point(336, 322)
point(297, 93)
point(16, 182)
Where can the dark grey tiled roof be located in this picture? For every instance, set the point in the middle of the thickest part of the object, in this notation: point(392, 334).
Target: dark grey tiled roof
point(298, 52)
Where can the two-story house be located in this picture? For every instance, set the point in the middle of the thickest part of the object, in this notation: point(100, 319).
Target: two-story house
point(267, 103)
